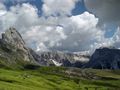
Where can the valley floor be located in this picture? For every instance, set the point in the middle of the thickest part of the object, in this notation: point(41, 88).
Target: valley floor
point(57, 78)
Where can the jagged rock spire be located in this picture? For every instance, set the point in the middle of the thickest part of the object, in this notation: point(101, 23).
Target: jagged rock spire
point(13, 37)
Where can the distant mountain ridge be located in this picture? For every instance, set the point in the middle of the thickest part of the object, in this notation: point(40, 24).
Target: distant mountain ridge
point(63, 59)
point(105, 58)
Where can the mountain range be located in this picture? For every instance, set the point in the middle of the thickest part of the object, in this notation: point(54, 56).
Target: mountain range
point(15, 53)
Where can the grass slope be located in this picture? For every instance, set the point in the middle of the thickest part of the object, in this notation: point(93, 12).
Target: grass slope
point(58, 78)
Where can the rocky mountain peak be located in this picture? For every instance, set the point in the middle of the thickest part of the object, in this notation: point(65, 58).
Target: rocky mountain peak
point(12, 41)
point(13, 37)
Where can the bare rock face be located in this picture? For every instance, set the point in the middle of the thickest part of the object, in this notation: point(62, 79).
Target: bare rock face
point(13, 47)
point(105, 58)
point(12, 36)
point(57, 58)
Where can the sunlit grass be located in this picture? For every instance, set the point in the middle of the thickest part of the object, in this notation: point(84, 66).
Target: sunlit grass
point(54, 78)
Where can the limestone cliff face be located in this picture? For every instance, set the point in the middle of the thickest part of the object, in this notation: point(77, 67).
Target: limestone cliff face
point(13, 49)
point(61, 59)
point(12, 36)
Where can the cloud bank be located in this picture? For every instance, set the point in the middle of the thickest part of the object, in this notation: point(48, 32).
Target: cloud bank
point(58, 31)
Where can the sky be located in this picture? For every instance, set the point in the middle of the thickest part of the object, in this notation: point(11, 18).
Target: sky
point(63, 25)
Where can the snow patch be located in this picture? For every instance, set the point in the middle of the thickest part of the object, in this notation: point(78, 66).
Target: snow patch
point(56, 63)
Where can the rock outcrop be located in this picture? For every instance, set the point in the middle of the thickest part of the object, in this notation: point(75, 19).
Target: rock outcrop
point(62, 59)
point(105, 58)
point(12, 36)
point(13, 49)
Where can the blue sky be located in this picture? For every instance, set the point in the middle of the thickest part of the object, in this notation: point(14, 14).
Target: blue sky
point(70, 26)
point(79, 7)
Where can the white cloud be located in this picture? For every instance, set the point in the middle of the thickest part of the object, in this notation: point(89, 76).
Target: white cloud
point(113, 41)
point(2, 12)
point(108, 13)
point(72, 34)
point(81, 33)
point(76, 33)
point(58, 7)
point(44, 37)
point(20, 16)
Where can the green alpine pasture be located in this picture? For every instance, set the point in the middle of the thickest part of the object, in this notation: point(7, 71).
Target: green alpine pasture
point(58, 78)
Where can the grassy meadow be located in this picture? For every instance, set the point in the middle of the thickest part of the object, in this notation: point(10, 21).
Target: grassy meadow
point(59, 78)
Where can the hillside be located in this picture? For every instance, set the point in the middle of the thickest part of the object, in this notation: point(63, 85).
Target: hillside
point(56, 78)
point(57, 58)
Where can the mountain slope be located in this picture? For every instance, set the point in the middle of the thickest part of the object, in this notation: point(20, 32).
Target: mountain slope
point(105, 58)
point(56, 78)
point(61, 59)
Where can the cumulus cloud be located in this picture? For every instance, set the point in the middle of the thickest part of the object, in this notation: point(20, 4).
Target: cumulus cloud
point(20, 16)
point(81, 33)
point(58, 7)
point(108, 13)
point(78, 34)
point(45, 37)
point(71, 34)
point(33, 28)
point(105, 10)
point(114, 41)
